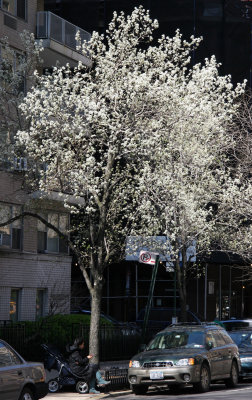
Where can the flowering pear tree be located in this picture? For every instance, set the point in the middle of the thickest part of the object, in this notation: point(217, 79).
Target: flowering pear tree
point(88, 126)
point(192, 189)
point(139, 140)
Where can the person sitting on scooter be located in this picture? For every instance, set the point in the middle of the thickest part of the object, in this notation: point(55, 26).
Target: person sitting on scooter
point(80, 365)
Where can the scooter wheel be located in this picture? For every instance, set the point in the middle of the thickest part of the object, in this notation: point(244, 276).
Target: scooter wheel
point(53, 386)
point(82, 387)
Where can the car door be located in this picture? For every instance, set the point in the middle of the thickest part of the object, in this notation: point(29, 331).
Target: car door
point(223, 353)
point(231, 350)
point(214, 356)
point(11, 375)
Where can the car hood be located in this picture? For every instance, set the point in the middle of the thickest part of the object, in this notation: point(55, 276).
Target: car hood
point(245, 352)
point(167, 354)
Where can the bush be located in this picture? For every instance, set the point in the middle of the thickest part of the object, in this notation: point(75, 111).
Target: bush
point(56, 329)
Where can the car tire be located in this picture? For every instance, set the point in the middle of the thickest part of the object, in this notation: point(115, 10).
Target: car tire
point(139, 389)
point(205, 378)
point(27, 394)
point(53, 386)
point(82, 387)
point(232, 382)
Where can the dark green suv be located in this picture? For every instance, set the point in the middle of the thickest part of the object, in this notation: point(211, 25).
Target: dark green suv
point(186, 354)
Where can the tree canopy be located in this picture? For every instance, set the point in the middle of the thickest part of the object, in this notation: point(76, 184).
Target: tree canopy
point(142, 140)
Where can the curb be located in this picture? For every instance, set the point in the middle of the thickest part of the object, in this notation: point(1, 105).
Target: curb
point(76, 396)
point(120, 393)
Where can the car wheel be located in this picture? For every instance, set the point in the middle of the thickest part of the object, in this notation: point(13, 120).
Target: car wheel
point(139, 389)
point(234, 376)
point(27, 394)
point(82, 387)
point(53, 386)
point(204, 384)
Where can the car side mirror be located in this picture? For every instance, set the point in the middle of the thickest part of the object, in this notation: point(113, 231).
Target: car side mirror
point(142, 347)
point(209, 345)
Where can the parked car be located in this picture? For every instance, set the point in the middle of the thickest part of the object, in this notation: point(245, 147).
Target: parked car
point(186, 354)
point(232, 323)
point(161, 317)
point(243, 339)
point(127, 328)
point(20, 380)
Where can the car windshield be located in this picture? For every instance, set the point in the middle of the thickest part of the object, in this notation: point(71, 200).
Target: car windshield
point(177, 339)
point(242, 338)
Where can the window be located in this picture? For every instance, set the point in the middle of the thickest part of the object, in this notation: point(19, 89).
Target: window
point(15, 7)
point(226, 337)
point(9, 5)
point(212, 8)
point(210, 338)
point(48, 240)
point(8, 357)
point(14, 304)
point(10, 235)
point(40, 303)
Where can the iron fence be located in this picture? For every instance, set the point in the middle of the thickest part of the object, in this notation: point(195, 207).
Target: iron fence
point(118, 378)
point(115, 343)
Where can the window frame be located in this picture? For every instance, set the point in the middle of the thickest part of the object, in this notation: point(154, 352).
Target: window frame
point(15, 14)
point(18, 303)
point(12, 227)
point(43, 305)
point(46, 238)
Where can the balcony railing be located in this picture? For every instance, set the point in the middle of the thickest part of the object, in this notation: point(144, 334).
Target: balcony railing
point(51, 26)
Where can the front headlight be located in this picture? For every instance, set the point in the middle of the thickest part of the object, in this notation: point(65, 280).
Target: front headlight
point(185, 361)
point(134, 364)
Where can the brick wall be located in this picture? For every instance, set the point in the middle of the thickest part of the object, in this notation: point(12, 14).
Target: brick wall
point(28, 273)
point(26, 269)
point(29, 25)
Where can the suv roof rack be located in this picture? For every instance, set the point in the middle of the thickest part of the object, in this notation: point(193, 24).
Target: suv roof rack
point(204, 323)
point(239, 328)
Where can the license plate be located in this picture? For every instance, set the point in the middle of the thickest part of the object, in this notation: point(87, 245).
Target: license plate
point(156, 375)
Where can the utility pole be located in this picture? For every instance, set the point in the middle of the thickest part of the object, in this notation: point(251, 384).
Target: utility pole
point(151, 290)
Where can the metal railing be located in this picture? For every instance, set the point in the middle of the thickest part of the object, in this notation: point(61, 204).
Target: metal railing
point(27, 337)
point(51, 26)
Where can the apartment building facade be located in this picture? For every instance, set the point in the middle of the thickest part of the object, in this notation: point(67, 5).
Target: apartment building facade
point(35, 265)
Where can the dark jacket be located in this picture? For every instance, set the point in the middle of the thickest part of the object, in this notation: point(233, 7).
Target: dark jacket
point(79, 365)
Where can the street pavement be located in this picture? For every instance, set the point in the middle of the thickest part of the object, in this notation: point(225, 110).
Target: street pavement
point(217, 392)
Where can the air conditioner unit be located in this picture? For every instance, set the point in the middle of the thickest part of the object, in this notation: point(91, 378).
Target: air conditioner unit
point(20, 164)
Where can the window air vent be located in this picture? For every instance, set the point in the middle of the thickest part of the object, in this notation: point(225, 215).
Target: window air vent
point(10, 22)
point(20, 164)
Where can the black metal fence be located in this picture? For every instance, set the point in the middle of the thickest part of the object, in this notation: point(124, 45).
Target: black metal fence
point(26, 338)
point(118, 378)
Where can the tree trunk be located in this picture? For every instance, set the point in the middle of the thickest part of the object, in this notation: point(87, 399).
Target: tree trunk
point(96, 297)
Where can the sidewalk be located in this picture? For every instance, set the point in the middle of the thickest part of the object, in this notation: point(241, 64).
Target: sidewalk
point(104, 366)
point(77, 396)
